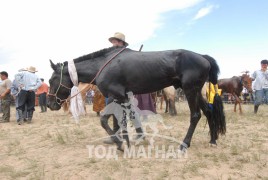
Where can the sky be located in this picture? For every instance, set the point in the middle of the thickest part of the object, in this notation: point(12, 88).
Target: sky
point(234, 32)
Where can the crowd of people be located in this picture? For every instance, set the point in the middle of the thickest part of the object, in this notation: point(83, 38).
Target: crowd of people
point(23, 89)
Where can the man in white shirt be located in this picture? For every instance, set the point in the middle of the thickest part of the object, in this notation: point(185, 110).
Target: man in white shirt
point(260, 86)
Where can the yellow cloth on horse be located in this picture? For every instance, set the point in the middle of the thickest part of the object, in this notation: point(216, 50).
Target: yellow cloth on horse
point(211, 92)
point(98, 101)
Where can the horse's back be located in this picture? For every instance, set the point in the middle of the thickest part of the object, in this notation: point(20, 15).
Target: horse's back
point(230, 85)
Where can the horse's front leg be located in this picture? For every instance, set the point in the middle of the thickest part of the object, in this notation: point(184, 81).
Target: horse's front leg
point(135, 117)
point(114, 134)
point(123, 125)
point(237, 101)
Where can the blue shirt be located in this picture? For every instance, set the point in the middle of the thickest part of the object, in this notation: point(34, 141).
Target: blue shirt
point(28, 81)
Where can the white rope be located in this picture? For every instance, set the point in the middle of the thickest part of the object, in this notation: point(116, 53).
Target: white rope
point(76, 102)
point(73, 73)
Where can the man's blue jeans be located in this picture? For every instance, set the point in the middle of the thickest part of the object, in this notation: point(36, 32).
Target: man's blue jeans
point(261, 96)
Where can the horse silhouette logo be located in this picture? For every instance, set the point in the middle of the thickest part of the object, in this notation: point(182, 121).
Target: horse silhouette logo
point(129, 111)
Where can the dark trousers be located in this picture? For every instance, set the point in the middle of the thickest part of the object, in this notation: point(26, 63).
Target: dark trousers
point(26, 98)
point(42, 99)
point(6, 101)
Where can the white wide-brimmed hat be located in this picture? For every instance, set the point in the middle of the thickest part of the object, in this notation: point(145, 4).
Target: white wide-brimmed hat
point(31, 69)
point(119, 36)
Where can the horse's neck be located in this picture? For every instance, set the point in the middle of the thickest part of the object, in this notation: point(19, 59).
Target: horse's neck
point(87, 70)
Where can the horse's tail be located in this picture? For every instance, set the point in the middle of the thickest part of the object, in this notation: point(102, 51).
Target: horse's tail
point(214, 70)
point(218, 116)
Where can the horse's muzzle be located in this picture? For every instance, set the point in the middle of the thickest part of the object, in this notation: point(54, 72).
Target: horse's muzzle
point(53, 106)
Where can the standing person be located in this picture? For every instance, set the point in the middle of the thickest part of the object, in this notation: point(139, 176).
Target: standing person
point(15, 89)
point(5, 96)
point(145, 101)
point(211, 92)
point(90, 95)
point(118, 40)
point(28, 82)
point(42, 96)
point(260, 78)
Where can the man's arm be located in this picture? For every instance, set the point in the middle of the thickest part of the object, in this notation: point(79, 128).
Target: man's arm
point(5, 93)
point(8, 84)
point(38, 83)
point(266, 74)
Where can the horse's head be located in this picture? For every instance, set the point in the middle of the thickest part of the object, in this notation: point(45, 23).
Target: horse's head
point(247, 82)
point(60, 86)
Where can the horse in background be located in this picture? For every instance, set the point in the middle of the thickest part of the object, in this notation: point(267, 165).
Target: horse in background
point(235, 86)
point(169, 95)
point(83, 89)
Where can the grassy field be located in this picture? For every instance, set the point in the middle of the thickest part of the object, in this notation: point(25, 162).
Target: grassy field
point(54, 147)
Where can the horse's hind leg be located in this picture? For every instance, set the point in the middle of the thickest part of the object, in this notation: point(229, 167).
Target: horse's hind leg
point(193, 102)
point(208, 113)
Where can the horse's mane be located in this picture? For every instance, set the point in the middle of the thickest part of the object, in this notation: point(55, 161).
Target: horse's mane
point(93, 55)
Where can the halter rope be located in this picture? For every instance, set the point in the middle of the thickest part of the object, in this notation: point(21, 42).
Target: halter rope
point(98, 73)
point(59, 100)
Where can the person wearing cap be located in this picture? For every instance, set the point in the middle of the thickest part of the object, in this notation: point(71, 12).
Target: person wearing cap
point(118, 40)
point(42, 96)
point(260, 85)
point(15, 89)
point(5, 96)
point(28, 82)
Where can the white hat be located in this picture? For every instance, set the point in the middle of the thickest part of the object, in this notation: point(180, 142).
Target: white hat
point(31, 69)
point(119, 36)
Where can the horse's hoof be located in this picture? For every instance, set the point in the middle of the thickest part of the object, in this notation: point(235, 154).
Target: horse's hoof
point(182, 151)
point(212, 145)
point(183, 147)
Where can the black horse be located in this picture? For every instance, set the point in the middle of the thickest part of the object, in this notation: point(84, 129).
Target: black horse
point(143, 72)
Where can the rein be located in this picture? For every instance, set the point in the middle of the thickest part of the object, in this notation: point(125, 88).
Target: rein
point(98, 73)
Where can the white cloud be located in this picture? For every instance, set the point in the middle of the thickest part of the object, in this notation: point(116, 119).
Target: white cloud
point(204, 11)
point(32, 32)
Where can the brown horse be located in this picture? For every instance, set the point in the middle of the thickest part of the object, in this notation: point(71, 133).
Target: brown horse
point(234, 86)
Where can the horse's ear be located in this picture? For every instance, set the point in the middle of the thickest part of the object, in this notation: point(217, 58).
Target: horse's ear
point(53, 66)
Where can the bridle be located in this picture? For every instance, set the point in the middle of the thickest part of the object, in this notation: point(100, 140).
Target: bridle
point(59, 101)
point(245, 83)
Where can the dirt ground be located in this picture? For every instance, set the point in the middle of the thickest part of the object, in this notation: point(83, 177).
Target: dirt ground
point(54, 147)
